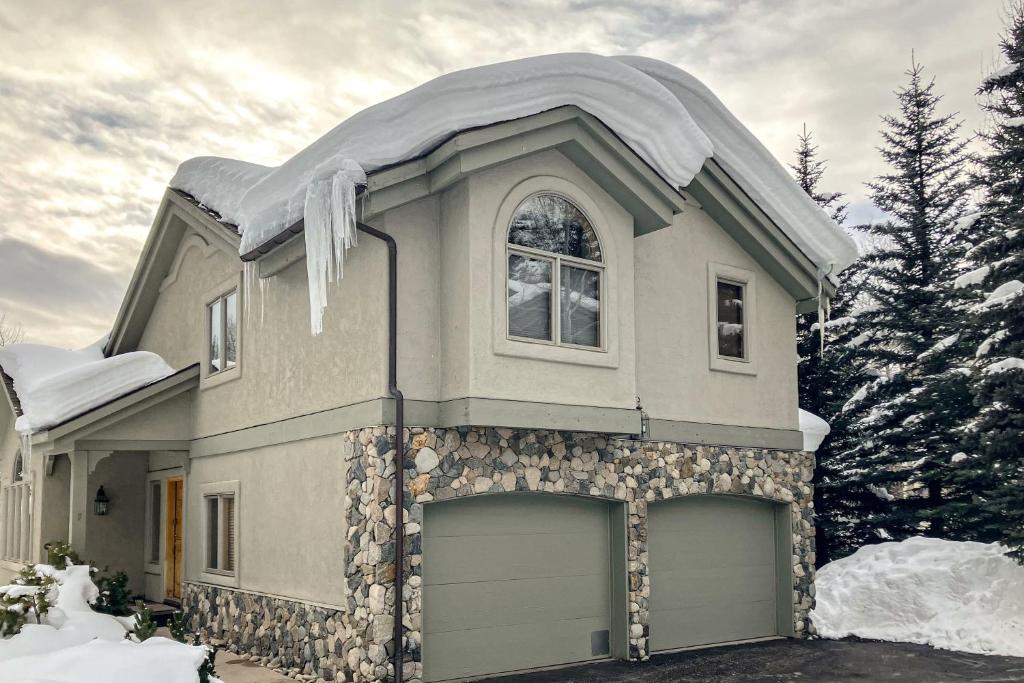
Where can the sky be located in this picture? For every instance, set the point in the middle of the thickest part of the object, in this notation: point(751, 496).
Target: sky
point(99, 101)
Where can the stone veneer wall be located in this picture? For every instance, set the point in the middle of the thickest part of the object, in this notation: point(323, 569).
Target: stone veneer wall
point(448, 463)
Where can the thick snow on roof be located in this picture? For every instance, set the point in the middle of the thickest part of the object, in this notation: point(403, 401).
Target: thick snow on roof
point(755, 169)
point(56, 384)
point(665, 115)
point(814, 430)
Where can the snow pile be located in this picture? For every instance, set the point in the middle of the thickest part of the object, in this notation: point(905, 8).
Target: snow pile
point(56, 384)
point(948, 594)
point(814, 430)
point(76, 645)
point(665, 115)
point(1005, 365)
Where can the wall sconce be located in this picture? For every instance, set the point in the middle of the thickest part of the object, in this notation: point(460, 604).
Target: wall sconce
point(101, 502)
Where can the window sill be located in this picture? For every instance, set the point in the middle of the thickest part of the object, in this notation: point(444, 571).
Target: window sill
point(540, 350)
point(219, 579)
point(223, 377)
point(737, 367)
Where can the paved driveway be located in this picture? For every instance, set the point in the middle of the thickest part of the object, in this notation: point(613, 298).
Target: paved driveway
point(806, 661)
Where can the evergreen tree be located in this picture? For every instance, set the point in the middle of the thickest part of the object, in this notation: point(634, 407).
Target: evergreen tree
point(992, 465)
point(808, 170)
point(904, 419)
point(829, 370)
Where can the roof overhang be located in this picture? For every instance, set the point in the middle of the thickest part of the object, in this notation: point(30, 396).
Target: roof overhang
point(61, 438)
point(726, 202)
point(177, 215)
point(581, 137)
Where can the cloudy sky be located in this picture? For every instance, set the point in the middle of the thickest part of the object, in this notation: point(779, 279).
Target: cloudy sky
point(100, 101)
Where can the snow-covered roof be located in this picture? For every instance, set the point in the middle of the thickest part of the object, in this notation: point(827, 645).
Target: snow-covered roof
point(665, 115)
point(53, 385)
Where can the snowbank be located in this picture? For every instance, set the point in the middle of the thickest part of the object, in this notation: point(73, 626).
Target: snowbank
point(814, 430)
point(951, 595)
point(76, 645)
point(56, 384)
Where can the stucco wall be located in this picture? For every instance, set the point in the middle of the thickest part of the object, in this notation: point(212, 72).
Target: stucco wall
point(498, 368)
point(116, 539)
point(290, 517)
point(674, 378)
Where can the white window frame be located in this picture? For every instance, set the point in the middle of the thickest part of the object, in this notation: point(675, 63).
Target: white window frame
point(607, 355)
point(16, 514)
point(220, 490)
point(209, 377)
point(720, 272)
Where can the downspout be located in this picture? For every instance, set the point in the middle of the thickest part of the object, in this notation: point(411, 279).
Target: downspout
point(396, 394)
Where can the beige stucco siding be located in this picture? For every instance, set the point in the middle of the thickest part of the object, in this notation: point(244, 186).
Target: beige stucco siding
point(675, 381)
point(115, 540)
point(284, 370)
point(291, 520)
point(524, 371)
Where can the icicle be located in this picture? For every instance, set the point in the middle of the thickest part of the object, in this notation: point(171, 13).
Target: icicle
point(824, 307)
point(330, 230)
point(26, 451)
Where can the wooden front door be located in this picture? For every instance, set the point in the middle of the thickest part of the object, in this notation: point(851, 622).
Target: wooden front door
point(175, 538)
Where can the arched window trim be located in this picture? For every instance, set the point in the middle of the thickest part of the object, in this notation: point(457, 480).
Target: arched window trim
point(557, 260)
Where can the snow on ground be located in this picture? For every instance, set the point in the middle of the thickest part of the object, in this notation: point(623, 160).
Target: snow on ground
point(77, 645)
point(56, 384)
point(666, 116)
point(948, 594)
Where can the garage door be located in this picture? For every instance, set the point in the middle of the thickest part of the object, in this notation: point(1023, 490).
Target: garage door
point(713, 571)
point(513, 582)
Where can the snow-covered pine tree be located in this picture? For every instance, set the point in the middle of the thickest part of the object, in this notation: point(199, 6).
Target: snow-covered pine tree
point(826, 381)
point(905, 418)
point(809, 169)
point(992, 464)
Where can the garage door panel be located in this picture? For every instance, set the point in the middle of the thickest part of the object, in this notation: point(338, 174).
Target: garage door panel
point(455, 654)
point(694, 624)
point(527, 601)
point(713, 571)
point(513, 582)
point(683, 588)
point(512, 514)
point(516, 556)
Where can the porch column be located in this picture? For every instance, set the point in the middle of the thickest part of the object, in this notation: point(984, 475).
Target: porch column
point(78, 510)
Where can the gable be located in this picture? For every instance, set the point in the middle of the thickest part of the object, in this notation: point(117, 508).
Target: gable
point(178, 218)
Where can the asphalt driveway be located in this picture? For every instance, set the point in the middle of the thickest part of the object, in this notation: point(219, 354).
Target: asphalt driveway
point(810, 661)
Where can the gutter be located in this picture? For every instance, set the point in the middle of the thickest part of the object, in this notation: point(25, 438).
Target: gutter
point(396, 394)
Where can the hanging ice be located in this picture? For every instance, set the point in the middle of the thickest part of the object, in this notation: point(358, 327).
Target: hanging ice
point(330, 229)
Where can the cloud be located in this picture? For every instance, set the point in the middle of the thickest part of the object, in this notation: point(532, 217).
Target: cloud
point(100, 101)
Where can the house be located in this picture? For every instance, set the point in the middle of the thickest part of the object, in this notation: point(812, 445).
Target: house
point(591, 359)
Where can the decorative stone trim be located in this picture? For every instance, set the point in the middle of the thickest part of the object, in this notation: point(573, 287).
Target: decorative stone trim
point(288, 635)
point(447, 463)
point(355, 644)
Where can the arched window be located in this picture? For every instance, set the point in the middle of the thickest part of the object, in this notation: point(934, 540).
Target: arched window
point(19, 466)
point(555, 268)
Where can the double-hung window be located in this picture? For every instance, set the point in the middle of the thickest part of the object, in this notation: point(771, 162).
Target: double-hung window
point(555, 275)
point(220, 524)
point(222, 323)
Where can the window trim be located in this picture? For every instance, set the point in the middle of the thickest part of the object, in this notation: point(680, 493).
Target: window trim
point(607, 356)
point(220, 490)
point(209, 378)
point(719, 272)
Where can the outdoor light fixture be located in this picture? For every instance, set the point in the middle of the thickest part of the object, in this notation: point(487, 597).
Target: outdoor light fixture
point(101, 503)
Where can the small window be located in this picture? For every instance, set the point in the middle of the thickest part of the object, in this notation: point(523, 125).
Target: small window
point(222, 322)
point(154, 522)
point(220, 533)
point(19, 467)
point(731, 334)
point(555, 268)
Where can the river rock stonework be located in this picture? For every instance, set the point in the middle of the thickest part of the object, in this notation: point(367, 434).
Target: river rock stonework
point(288, 635)
point(442, 464)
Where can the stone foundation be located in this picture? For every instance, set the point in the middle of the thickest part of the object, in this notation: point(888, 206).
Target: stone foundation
point(452, 463)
